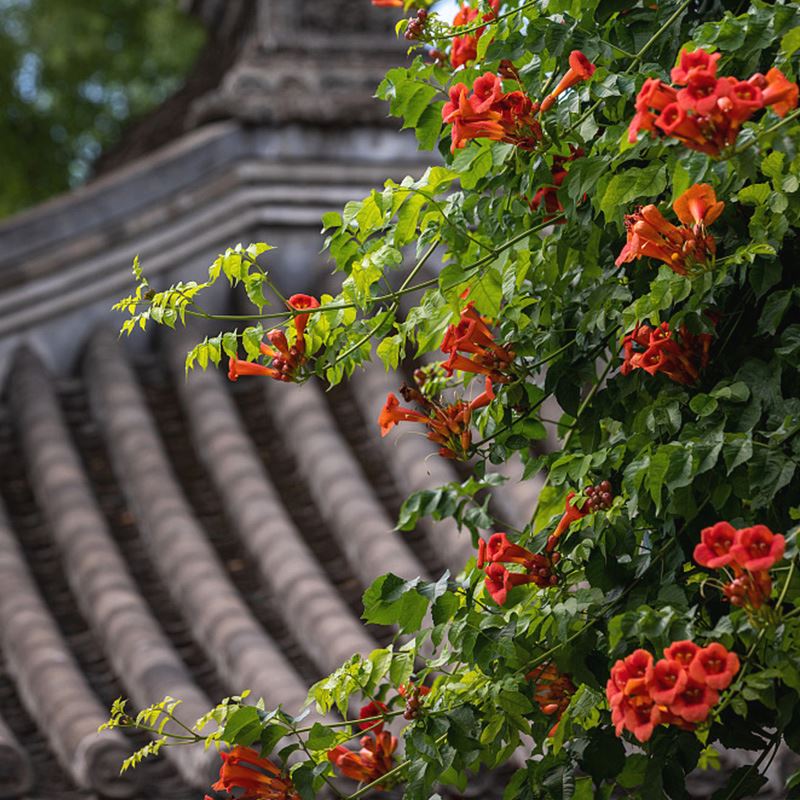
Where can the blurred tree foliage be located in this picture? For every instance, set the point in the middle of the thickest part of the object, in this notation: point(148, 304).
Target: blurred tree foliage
point(72, 74)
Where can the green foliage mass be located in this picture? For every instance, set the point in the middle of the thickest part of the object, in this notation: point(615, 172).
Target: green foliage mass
point(680, 456)
point(72, 74)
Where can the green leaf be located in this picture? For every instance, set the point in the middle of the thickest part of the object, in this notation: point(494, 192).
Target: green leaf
point(388, 351)
point(429, 126)
point(321, 737)
point(756, 194)
point(738, 449)
point(487, 292)
point(774, 309)
point(790, 42)
point(391, 600)
point(626, 186)
point(230, 344)
point(703, 405)
point(331, 219)
point(243, 726)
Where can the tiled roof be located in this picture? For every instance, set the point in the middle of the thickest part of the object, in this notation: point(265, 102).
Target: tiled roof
point(184, 538)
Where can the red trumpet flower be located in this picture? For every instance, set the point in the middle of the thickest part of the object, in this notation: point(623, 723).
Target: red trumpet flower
point(286, 360)
point(757, 548)
point(656, 350)
point(242, 768)
point(552, 691)
point(714, 666)
point(372, 709)
point(708, 113)
point(472, 348)
point(538, 569)
point(714, 550)
point(448, 425)
point(580, 69)
point(684, 249)
point(749, 553)
point(490, 113)
point(679, 690)
point(370, 763)
point(465, 47)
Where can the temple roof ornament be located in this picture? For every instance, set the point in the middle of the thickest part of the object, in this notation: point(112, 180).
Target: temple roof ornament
point(301, 61)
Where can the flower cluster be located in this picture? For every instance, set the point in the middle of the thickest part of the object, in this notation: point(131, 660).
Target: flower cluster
point(680, 689)
point(471, 335)
point(286, 360)
point(416, 26)
point(368, 764)
point(748, 553)
point(657, 350)
point(597, 498)
point(465, 47)
point(242, 768)
point(412, 695)
point(487, 112)
point(708, 112)
point(492, 556)
point(448, 425)
point(683, 248)
point(552, 690)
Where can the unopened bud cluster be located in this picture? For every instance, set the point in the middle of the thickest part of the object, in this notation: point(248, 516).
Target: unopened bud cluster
point(416, 25)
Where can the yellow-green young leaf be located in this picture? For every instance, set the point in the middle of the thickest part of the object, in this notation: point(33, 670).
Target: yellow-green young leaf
point(202, 355)
point(331, 219)
point(137, 270)
point(407, 219)
point(389, 351)
point(255, 249)
point(230, 344)
point(487, 292)
point(790, 43)
point(772, 164)
point(215, 270)
point(755, 195)
point(254, 286)
point(369, 216)
point(232, 266)
point(214, 349)
point(251, 339)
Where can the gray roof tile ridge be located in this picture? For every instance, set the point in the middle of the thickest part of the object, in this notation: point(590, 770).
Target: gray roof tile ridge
point(313, 609)
point(414, 463)
point(244, 654)
point(49, 682)
point(338, 485)
point(107, 595)
point(16, 774)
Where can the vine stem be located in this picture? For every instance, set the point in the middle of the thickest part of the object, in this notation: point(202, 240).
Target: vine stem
point(636, 59)
point(493, 21)
point(392, 309)
point(581, 408)
point(426, 284)
point(773, 742)
point(657, 35)
point(785, 121)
